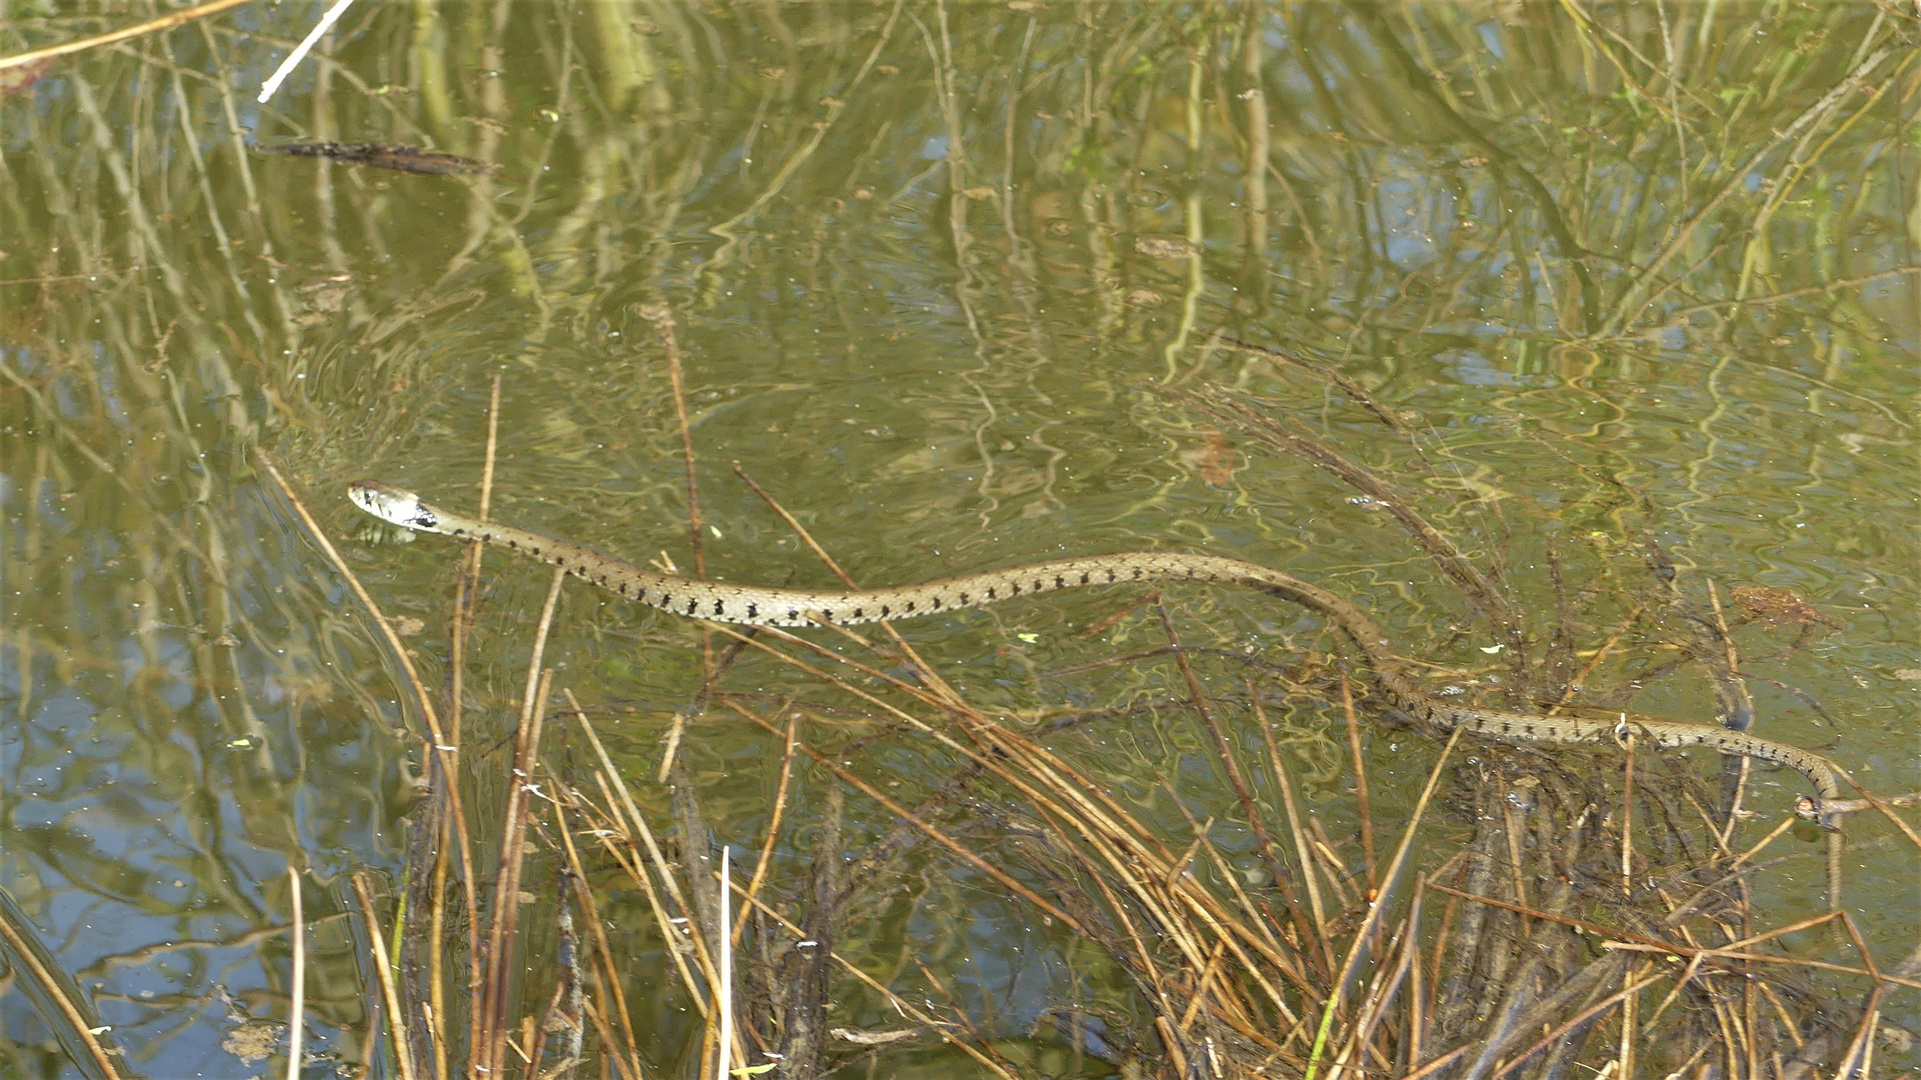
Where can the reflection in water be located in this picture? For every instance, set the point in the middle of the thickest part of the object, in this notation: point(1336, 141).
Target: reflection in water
point(1627, 275)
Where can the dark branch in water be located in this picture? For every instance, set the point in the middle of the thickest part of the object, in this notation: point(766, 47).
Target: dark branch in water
point(411, 159)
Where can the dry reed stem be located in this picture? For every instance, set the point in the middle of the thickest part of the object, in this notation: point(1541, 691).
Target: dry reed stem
point(327, 19)
point(1439, 1063)
point(25, 955)
point(1378, 905)
point(903, 1006)
point(151, 26)
point(956, 1009)
point(491, 1038)
point(1349, 386)
point(662, 316)
point(1627, 809)
point(1122, 852)
point(1374, 1008)
point(1615, 938)
point(1174, 885)
point(384, 971)
point(932, 831)
point(923, 669)
point(459, 632)
point(723, 988)
point(1446, 556)
point(1309, 873)
point(1613, 639)
point(1003, 741)
point(773, 824)
point(1233, 880)
point(297, 1007)
point(1878, 802)
point(1674, 992)
point(610, 972)
point(1363, 804)
point(438, 746)
point(609, 774)
point(1199, 902)
point(1322, 847)
point(1228, 760)
point(1858, 1059)
point(631, 861)
point(1548, 1039)
point(1882, 805)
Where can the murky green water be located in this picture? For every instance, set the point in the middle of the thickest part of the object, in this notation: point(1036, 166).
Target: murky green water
point(931, 268)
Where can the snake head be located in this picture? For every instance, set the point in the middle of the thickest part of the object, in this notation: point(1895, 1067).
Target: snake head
point(389, 503)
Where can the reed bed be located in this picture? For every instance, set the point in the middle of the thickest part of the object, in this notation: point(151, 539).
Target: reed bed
point(1557, 215)
point(1531, 912)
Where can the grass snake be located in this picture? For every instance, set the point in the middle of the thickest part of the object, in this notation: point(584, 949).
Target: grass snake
point(759, 606)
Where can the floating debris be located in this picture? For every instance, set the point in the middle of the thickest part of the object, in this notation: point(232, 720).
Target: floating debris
point(1164, 247)
point(15, 79)
point(1778, 607)
point(411, 159)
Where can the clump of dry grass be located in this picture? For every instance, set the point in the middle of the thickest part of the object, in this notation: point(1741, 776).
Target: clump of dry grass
point(1530, 912)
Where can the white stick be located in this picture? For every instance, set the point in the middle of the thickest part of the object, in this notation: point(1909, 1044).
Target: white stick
point(301, 50)
point(726, 994)
point(296, 1011)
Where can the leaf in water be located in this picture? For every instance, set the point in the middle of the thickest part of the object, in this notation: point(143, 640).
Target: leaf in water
point(253, 1041)
point(328, 294)
point(1163, 247)
point(394, 156)
point(1215, 458)
point(872, 1038)
point(15, 79)
point(1778, 607)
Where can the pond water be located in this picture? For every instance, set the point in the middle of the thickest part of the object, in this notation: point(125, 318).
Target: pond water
point(1642, 275)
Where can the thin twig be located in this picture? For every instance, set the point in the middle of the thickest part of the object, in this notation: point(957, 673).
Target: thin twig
point(924, 671)
point(662, 317)
point(533, 709)
point(610, 972)
point(151, 26)
point(1363, 804)
point(724, 989)
point(438, 747)
point(1309, 876)
point(773, 823)
point(1378, 906)
point(384, 971)
point(932, 831)
point(1228, 759)
point(1349, 386)
point(32, 960)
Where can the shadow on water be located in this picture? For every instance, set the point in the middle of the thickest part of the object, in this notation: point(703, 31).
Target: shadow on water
point(1616, 303)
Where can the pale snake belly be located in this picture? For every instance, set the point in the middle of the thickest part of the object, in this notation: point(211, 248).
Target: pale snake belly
point(760, 606)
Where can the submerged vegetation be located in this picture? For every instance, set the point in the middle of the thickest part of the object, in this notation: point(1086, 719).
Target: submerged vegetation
point(1575, 340)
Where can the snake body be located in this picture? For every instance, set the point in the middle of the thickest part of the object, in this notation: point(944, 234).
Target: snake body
point(760, 606)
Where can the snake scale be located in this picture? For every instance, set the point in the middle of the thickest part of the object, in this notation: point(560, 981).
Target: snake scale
point(754, 605)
